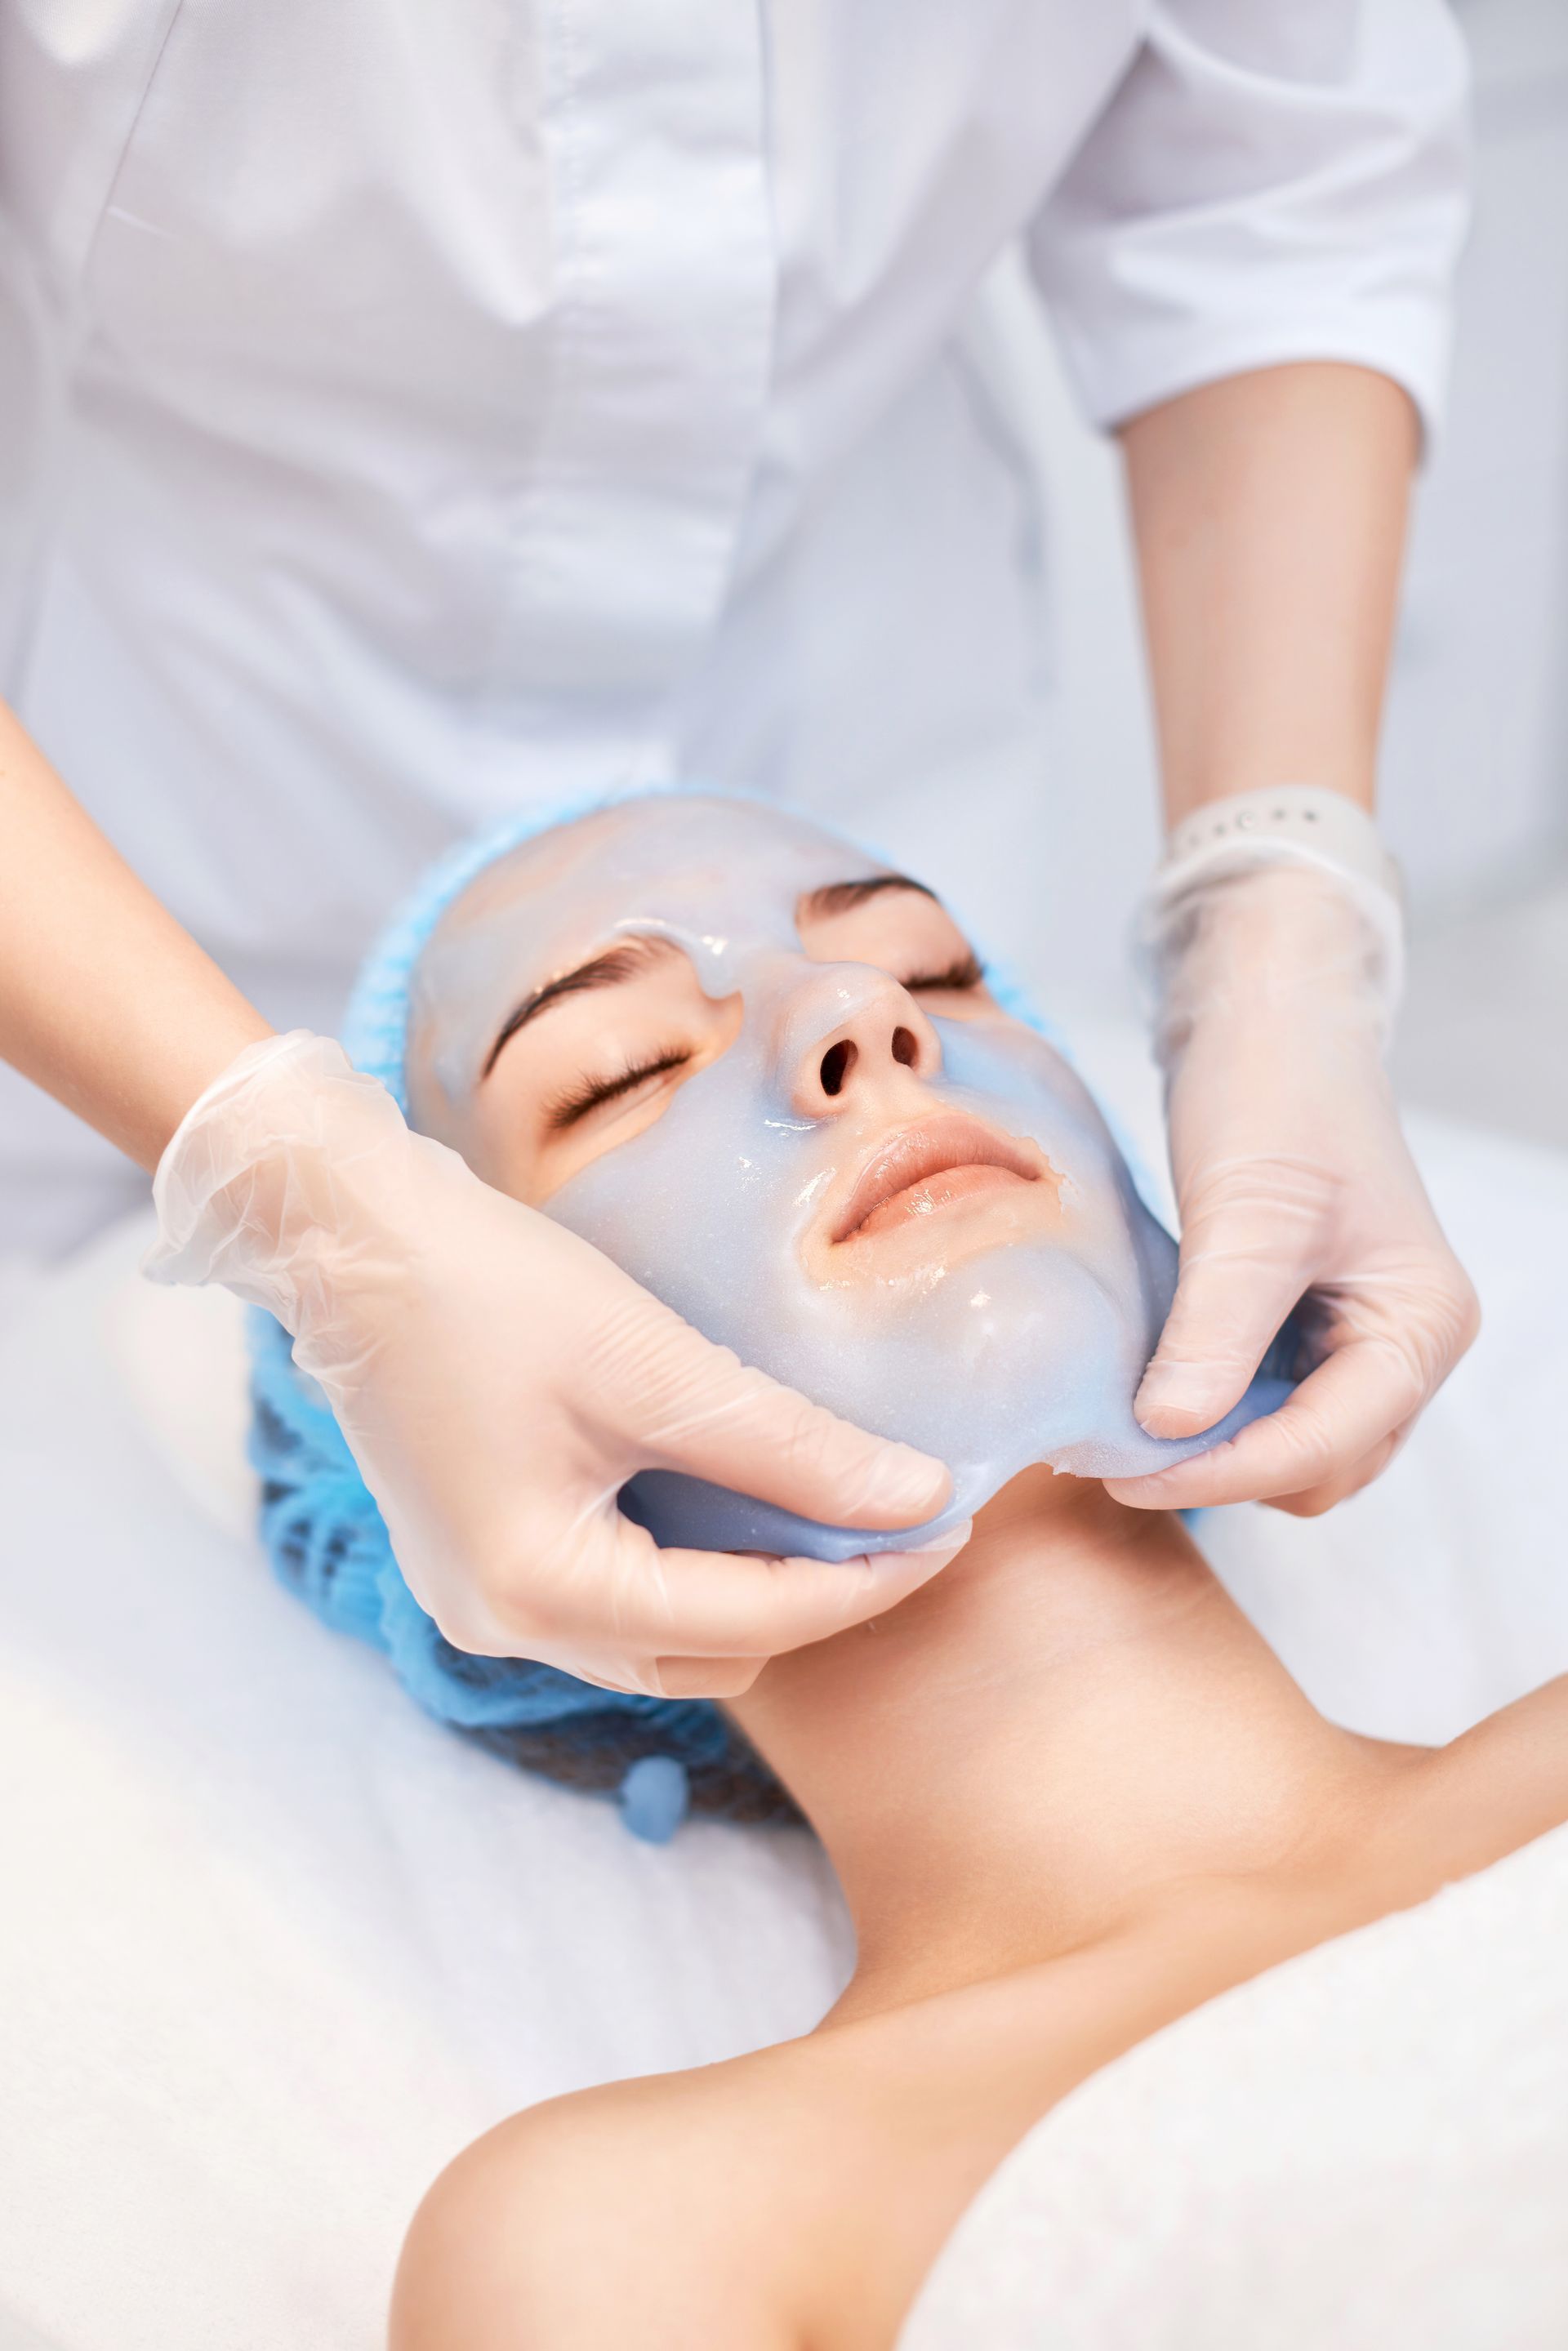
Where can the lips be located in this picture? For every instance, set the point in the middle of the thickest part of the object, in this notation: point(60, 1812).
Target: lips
point(903, 1174)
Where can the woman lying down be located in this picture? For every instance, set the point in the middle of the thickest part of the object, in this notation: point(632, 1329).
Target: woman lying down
point(1069, 1793)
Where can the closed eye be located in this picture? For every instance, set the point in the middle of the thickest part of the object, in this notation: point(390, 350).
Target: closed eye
point(569, 1107)
point(964, 971)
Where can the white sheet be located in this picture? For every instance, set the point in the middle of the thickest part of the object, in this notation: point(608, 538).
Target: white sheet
point(274, 1947)
point(1366, 2148)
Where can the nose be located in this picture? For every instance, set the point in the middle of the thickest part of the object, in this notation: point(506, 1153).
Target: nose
point(850, 1029)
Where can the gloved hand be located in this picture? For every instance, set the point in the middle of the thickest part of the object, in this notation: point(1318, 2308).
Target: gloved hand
point(1292, 1176)
point(498, 1380)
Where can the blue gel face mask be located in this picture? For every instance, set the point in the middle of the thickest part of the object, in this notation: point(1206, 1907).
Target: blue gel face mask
point(920, 1221)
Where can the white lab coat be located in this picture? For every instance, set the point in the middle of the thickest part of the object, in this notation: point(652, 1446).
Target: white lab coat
point(410, 409)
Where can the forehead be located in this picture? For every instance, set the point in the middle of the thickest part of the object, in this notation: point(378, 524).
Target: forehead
point(699, 866)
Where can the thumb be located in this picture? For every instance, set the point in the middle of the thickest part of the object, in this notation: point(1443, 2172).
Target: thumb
point(1240, 1277)
point(703, 1411)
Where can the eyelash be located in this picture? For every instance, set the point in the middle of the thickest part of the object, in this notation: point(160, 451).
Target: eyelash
point(568, 1108)
point(964, 971)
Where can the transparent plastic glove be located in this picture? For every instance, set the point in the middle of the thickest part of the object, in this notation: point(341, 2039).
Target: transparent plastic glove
point(498, 1380)
point(1293, 1180)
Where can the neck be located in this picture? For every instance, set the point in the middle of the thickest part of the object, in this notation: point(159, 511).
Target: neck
point(1071, 1723)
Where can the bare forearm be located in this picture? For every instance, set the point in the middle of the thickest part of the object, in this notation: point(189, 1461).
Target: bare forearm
point(105, 1001)
point(1270, 512)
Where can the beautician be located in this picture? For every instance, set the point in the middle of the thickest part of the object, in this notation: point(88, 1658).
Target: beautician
point(412, 411)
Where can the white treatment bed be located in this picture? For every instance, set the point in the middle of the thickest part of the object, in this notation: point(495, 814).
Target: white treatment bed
point(274, 1947)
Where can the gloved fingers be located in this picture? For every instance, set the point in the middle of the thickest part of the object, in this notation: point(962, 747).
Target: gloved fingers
point(1314, 1500)
point(1364, 1393)
point(635, 1604)
point(701, 1410)
point(1248, 1251)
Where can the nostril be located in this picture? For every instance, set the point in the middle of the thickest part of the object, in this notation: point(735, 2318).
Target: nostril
point(904, 1048)
point(837, 1062)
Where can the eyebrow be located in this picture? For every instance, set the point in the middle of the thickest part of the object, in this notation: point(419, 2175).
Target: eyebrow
point(618, 964)
point(839, 897)
point(608, 970)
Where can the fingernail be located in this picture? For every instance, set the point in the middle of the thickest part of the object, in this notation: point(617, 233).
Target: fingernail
point(1181, 1389)
point(1152, 1481)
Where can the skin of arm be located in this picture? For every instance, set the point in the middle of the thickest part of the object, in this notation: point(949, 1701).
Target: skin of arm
point(1270, 514)
point(105, 1001)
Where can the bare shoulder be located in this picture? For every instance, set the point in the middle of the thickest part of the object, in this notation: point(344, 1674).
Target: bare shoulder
point(643, 2210)
point(1525, 1747)
point(1499, 1786)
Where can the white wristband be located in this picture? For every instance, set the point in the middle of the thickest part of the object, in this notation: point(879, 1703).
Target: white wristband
point(1263, 828)
point(1287, 824)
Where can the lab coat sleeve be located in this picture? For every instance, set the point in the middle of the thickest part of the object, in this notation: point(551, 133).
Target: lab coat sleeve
point(1272, 180)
